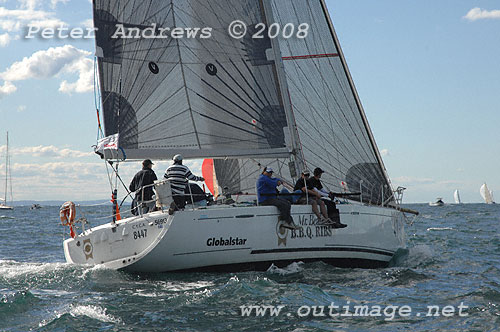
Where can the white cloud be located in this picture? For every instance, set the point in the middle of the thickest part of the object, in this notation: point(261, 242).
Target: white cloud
point(14, 20)
point(85, 69)
point(479, 14)
point(46, 151)
point(76, 180)
point(7, 88)
point(53, 3)
point(412, 180)
point(50, 63)
point(4, 39)
point(21, 108)
point(384, 152)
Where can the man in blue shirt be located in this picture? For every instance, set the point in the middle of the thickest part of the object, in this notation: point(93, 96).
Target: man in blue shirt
point(266, 195)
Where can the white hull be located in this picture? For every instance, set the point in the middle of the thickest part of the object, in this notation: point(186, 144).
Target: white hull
point(239, 238)
point(5, 207)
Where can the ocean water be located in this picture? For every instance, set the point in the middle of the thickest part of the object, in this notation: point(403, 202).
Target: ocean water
point(452, 261)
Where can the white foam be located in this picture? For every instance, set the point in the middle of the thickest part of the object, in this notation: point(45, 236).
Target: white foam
point(290, 269)
point(186, 286)
point(95, 312)
point(10, 269)
point(421, 251)
point(440, 229)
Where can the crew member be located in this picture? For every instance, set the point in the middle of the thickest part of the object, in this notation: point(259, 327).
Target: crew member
point(145, 177)
point(266, 195)
point(327, 197)
point(178, 176)
point(312, 197)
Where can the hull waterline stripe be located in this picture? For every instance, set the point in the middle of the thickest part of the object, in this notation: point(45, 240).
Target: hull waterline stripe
point(311, 56)
point(207, 251)
point(285, 250)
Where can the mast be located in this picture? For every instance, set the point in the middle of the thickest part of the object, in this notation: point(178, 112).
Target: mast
point(6, 168)
point(298, 160)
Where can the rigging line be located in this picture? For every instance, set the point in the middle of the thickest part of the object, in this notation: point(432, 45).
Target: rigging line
point(271, 133)
point(118, 177)
point(335, 74)
point(229, 125)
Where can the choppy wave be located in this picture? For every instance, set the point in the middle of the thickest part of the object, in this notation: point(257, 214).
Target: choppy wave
point(452, 257)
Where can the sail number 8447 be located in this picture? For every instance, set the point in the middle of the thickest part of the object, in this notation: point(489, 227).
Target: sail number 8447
point(140, 234)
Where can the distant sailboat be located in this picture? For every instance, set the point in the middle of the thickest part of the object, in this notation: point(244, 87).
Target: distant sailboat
point(486, 194)
point(8, 184)
point(456, 195)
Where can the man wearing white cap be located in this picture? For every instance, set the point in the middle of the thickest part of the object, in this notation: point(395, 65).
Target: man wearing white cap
point(266, 191)
point(179, 175)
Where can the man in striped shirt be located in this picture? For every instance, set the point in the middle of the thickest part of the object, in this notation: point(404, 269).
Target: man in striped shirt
point(178, 176)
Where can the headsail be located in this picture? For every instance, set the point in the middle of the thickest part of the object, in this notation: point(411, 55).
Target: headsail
point(456, 196)
point(215, 97)
point(332, 127)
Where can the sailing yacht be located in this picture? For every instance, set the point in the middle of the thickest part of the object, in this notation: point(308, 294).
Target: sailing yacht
point(8, 184)
point(456, 196)
point(486, 194)
point(287, 103)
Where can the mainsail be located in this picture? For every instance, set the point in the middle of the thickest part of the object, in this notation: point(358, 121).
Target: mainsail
point(456, 196)
point(252, 102)
point(486, 194)
point(199, 96)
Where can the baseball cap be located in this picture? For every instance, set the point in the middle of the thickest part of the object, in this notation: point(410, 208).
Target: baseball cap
point(147, 162)
point(318, 171)
point(268, 170)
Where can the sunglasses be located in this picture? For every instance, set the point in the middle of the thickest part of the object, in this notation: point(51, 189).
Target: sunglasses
point(307, 174)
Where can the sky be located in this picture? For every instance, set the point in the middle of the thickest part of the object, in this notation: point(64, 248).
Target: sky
point(427, 72)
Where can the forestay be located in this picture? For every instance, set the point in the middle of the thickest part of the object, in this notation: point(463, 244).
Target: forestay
point(201, 97)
